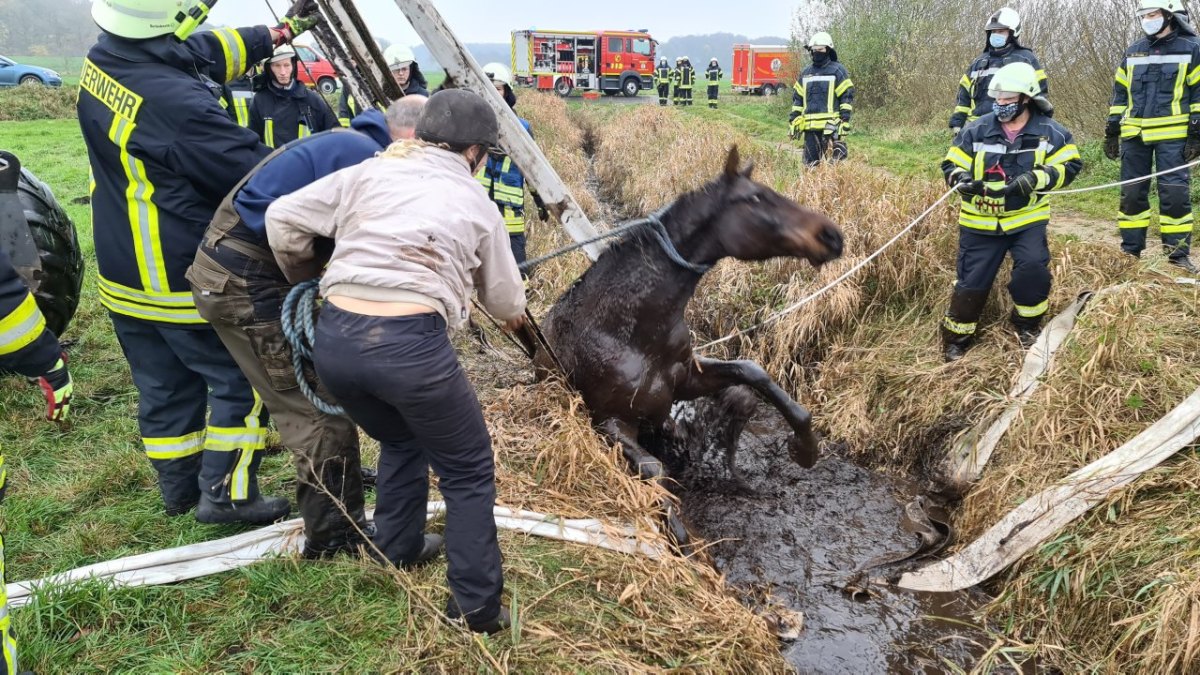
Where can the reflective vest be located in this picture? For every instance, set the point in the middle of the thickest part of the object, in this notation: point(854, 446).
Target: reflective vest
point(163, 155)
point(687, 77)
point(664, 75)
point(984, 152)
point(714, 75)
point(973, 98)
point(822, 95)
point(506, 187)
point(1157, 88)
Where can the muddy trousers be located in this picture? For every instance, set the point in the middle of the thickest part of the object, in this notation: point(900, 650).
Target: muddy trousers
point(979, 260)
point(180, 374)
point(245, 311)
point(664, 92)
point(1174, 201)
point(713, 92)
point(400, 380)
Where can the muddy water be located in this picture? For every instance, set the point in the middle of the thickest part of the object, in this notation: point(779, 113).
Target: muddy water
point(798, 537)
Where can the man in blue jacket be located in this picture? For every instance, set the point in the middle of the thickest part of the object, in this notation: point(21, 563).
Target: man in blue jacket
point(239, 288)
point(163, 154)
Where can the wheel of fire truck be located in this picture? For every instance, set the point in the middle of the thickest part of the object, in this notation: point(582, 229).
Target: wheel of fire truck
point(631, 87)
point(563, 87)
point(57, 289)
point(768, 90)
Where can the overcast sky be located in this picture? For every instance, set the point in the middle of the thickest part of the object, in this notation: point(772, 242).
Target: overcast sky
point(473, 23)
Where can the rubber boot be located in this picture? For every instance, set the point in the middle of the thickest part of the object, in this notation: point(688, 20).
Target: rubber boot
point(965, 308)
point(353, 544)
point(1185, 263)
point(369, 477)
point(430, 550)
point(217, 473)
point(1028, 328)
point(501, 621)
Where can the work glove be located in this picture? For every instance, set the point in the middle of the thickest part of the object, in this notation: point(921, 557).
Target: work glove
point(291, 26)
point(1024, 184)
point(832, 127)
point(1112, 140)
point(1191, 149)
point(964, 184)
point(57, 387)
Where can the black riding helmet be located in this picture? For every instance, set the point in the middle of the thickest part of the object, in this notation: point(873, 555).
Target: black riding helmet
point(458, 118)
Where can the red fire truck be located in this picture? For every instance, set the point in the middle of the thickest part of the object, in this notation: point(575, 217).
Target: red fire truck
point(762, 69)
point(610, 61)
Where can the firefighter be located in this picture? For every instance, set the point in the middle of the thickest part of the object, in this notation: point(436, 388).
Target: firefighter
point(405, 71)
point(662, 80)
point(239, 288)
point(1154, 123)
point(676, 82)
point(1000, 166)
point(27, 348)
point(403, 268)
point(163, 155)
point(714, 81)
point(503, 180)
point(284, 109)
point(822, 102)
point(1003, 32)
point(687, 80)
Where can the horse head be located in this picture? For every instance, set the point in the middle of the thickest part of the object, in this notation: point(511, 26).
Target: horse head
point(754, 222)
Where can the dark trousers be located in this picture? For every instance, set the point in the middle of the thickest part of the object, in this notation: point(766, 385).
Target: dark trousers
point(713, 92)
point(979, 260)
point(664, 92)
point(1175, 203)
point(180, 373)
point(399, 379)
point(516, 241)
point(815, 144)
point(241, 296)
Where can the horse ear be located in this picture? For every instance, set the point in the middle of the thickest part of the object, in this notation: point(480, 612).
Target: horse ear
point(732, 163)
point(748, 170)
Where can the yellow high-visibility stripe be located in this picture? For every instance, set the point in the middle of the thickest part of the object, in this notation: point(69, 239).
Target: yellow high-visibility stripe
point(959, 328)
point(171, 300)
point(844, 86)
point(1064, 154)
point(143, 212)
point(1177, 101)
point(175, 447)
point(22, 327)
point(234, 50)
point(1134, 221)
point(962, 109)
point(249, 440)
point(149, 313)
point(269, 133)
point(959, 158)
point(1031, 311)
point(1169, 225)
point(108, 91)
point(1122, 77)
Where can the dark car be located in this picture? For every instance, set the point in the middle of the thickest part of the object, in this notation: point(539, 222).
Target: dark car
point(13, 74)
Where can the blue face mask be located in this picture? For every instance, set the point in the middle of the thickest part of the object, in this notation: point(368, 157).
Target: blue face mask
point(1153, 26)
point(997, 40)
point(1009, 111)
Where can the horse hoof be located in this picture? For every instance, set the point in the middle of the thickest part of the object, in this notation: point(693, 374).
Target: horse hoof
point(677, 531)
point(803, 451)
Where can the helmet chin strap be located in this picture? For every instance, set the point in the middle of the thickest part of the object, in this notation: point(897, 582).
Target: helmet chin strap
point(193, 18)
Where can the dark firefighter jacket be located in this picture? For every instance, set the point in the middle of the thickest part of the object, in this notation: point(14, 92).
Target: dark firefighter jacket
point(1157, 88)
point(280, 116)
point(973, 99)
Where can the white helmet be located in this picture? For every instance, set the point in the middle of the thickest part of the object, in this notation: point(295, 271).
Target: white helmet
point(398, 56)
point(821, 39)
point(143, 19)
point(1005, 19)
point(1015, 78)
point(1171, 6)
point(498, 72)
point(282, 53)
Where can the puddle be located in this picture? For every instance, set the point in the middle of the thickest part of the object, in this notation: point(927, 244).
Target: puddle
point(801, 535)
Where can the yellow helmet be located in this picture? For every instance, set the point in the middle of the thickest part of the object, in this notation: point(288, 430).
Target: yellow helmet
point(143, 19)
point(1015, 78)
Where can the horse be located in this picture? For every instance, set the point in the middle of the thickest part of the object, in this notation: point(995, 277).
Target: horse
point(619, 333)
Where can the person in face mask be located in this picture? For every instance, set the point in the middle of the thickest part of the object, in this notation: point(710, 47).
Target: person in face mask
point(822, 102)
point(1154, 124)
point(1001, 166)
point(1003, 31)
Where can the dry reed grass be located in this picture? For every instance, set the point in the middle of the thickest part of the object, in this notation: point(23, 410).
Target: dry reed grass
point(1118, 592)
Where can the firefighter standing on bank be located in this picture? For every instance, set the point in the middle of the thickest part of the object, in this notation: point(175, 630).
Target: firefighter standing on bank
point(676, 81)
point(1154, 125)
point(163, 155)
point(405, 71)
point(1003, 31)
point(662, 80)
point(1000, 166)
point(687, 81)
point(284, 109)
point(503, 180)
point(822, 102)
point(713, 75)
point(27, 348)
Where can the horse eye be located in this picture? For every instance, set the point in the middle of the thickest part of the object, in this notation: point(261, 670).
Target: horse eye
point(754, 199)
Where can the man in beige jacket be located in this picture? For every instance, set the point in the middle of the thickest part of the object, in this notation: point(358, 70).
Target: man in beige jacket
point(414, 234)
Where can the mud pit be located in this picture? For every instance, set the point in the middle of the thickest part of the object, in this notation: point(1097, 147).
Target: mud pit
point(799, 537)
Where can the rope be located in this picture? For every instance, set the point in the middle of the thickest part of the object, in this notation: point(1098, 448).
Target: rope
point(652, 220)
point(298, 307)
point(1131, 181)
point(821, 291)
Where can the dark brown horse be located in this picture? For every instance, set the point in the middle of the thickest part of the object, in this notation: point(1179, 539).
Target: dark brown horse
point(620, 334)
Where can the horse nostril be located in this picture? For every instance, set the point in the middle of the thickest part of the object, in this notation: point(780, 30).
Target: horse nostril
point(831, 237)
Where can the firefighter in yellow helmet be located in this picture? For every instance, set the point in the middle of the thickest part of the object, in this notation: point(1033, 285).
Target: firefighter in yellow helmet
point(1001, 165)
point(1154, 125)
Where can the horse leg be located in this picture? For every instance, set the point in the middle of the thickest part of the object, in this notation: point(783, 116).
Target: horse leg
point(648, 467)
point(711, 376)
point(734, 407)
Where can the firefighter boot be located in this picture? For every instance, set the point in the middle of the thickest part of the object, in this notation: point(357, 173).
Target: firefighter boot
point(229, 490)
point(959, 324)
point(1028, 328)
point(1185, 263)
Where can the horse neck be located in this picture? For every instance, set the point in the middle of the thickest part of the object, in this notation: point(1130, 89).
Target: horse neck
point(692, 238)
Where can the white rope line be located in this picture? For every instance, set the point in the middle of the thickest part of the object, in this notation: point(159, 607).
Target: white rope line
point(1131, 181)
point(818, 293)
